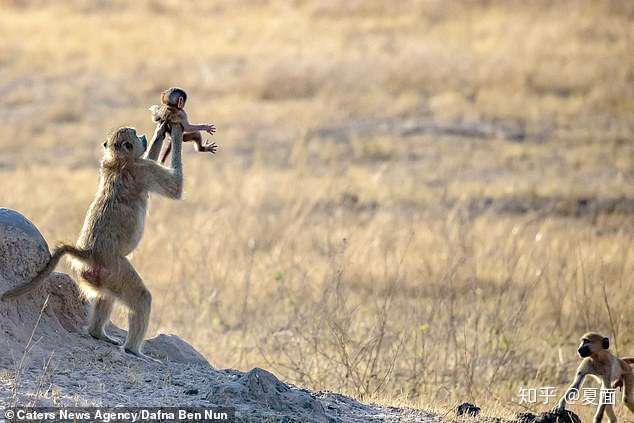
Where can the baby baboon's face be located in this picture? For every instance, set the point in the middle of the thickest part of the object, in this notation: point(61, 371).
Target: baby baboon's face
point(176, 97)
point(125, 143)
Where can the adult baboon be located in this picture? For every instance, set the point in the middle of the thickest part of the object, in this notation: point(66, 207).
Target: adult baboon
point(113, 228)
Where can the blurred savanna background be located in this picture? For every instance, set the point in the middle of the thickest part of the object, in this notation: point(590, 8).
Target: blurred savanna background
point(415, 203)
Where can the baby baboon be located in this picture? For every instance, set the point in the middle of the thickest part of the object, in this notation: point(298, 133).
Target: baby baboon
point(112, 229)
point(601, 364)
point(171, 113)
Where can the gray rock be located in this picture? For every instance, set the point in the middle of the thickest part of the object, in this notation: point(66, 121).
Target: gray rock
point(262, 388)
point(174, 350)
point(23, 250)
point(14, 219)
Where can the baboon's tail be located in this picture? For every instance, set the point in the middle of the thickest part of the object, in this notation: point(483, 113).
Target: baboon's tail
point(48, 269)
point(628, 360)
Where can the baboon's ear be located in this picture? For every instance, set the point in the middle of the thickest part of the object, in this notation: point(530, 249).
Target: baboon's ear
point(605, 343)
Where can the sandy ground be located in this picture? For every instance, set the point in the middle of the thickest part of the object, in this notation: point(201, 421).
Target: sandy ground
point(46, 358)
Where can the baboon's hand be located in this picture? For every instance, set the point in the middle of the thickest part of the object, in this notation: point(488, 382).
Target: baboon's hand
point(618, 384)
point(210, 147)
point(210, 129)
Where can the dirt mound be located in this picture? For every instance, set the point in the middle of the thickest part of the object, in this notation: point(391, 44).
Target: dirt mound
point(50, 361)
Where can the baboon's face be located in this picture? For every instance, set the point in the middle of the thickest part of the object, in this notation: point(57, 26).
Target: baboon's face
point(592, 343)
point(125, 143)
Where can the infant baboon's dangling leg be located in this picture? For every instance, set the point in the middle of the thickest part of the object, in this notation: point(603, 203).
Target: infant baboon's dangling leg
point(99, 318)
point(165, 151)
point(197, 139)
point(158, 138)
point(201, 145)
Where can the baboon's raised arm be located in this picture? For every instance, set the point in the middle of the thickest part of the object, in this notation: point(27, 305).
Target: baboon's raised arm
point(162, 180)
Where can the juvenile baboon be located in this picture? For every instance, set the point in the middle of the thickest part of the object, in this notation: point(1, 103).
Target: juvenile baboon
point(112, 229)
point(171, 113)
point(601, 364)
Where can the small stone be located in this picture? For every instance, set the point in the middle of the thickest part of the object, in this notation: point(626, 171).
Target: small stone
point(468, 409)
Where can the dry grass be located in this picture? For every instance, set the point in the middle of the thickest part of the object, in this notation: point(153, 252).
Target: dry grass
point(328, 240)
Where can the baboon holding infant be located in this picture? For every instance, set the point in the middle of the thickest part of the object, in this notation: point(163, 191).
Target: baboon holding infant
point(112, 229)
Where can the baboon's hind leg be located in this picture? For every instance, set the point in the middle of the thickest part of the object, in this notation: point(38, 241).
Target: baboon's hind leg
point(133, 293)
point(99, 318)
point(628, 391)
point(609, 410)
